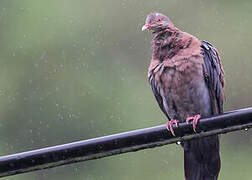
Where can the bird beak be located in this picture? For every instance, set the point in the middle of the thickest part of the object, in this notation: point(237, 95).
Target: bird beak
point(146, 27)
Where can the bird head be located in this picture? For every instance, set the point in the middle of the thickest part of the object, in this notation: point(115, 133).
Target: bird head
point(157, 22)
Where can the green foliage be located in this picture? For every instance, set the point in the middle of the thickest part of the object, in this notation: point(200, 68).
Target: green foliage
point(72, 70)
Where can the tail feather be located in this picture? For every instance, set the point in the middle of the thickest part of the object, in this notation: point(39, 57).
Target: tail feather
point(202, 158)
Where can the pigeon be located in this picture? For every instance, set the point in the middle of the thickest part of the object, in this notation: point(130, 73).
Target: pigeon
point(187, 80)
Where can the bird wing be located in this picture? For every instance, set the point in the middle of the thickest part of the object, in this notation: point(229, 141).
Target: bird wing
point(151, 76)
point(214, 76)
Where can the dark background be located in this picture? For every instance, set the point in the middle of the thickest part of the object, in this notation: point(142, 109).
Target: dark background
point(73, 70)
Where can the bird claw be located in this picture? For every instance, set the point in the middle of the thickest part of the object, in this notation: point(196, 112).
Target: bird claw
point(195, 121)
point(169, 125)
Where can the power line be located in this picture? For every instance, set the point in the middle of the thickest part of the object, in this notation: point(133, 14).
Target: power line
point(121, 143)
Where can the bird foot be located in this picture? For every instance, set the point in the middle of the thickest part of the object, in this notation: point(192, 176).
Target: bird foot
point(195, 121)
point(169, 125)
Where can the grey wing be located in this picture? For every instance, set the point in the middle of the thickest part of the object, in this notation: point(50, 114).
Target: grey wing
point(157, 95)
point(214, 76)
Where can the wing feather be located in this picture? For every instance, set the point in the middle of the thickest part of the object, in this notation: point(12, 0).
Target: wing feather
point(157, 94)
point(214, 76)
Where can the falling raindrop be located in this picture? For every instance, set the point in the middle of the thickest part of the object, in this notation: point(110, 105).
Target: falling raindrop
point(246, 129)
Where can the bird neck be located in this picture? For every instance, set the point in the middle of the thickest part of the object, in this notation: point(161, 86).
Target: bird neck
point(167, 43)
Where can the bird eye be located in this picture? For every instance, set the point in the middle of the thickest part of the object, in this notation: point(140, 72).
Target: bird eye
point(159, 20)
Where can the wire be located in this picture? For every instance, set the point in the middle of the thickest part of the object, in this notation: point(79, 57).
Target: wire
point(121, 143)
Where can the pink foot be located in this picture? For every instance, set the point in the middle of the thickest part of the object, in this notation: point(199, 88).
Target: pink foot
point(195, 121)
point(169, 126)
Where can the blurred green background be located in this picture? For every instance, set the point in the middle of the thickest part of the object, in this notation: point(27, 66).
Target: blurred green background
point(73, 70)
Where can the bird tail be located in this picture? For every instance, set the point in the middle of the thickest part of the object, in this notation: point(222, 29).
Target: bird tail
point(202, 158)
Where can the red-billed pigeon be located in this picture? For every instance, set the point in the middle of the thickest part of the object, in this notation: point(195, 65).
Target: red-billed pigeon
point(187, 79)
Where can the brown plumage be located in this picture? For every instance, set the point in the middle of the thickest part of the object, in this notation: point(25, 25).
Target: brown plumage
point(187, 80)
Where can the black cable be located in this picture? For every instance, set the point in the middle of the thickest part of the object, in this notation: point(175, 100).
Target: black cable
point(121, 143)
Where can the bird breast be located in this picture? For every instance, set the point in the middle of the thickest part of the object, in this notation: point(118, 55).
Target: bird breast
point(181, 83)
